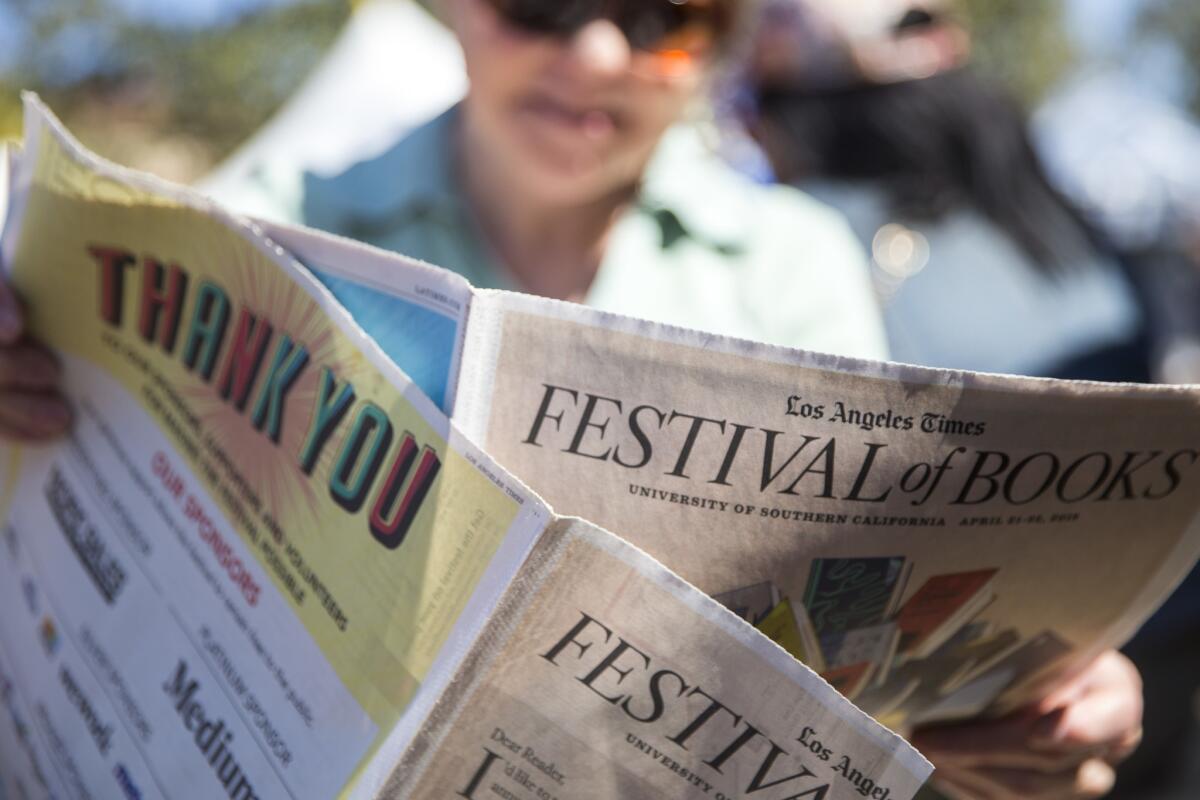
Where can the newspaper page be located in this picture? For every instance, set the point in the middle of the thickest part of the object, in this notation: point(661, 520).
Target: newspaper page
point(603, 675)
point(937, 544)
point(415, 312)
point(260, 552)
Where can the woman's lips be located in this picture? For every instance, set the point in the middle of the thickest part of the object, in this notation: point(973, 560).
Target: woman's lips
point(597, 124)
point(591, 123)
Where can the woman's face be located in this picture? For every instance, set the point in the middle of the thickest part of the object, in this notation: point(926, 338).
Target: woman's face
point(577, 117)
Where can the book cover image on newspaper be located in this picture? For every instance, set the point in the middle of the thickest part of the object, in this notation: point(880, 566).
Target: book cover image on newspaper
point(264, 563)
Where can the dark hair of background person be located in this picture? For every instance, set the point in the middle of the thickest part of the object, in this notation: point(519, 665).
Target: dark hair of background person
point(942, 143)
point(935, 144)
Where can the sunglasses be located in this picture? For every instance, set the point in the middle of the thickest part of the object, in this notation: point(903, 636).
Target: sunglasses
point(676, 34)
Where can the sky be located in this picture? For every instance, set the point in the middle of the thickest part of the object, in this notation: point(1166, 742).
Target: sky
point(193, 12)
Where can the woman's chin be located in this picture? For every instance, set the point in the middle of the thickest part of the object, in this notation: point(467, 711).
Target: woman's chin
point(568, 178)
point(566, 158)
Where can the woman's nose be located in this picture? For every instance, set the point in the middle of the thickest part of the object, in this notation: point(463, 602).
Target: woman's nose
point(600, 49)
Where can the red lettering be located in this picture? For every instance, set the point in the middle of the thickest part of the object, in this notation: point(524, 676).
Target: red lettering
point(161, 306)
point(391, 533)
point(112, 263)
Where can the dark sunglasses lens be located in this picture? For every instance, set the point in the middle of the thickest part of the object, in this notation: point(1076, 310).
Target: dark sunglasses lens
point(549, 16)
point(658, 25)
point(645, 24)
point(652, 25)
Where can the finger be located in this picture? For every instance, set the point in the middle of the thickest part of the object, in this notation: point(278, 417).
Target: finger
point(1093, 778)
point(1006, 733)
point(24, 435)
point(1023, 760)
point(33, 416)
point(968, 784)
point(1108, 668)
point(995, 743)
point(1102, 719)
point(1107, 714)
point(12, 321)
point(28, 366)
point(952, 786)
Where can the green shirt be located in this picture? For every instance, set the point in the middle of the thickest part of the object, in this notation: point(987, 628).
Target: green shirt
point(703, 247)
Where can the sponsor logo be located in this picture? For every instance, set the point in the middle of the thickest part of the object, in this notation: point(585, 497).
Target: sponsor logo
point(213, 738)
point(85, 539)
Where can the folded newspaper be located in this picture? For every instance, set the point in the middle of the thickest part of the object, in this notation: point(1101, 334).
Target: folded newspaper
point(267, 562)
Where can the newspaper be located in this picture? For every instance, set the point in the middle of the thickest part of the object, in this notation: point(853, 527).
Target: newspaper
point(264, 563)
point(938, 544)
point(584, 638)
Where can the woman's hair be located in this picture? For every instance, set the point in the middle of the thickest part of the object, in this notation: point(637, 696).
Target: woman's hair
point(935, 144)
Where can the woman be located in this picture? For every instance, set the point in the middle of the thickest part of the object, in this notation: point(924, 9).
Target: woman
point(557, 175)
point(562, 174)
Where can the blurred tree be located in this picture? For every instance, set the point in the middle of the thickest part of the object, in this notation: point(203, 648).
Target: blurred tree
point(1177, 21)
point(171, 99)
point(1025, 44)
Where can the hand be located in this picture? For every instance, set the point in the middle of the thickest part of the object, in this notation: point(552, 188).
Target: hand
point(1062, 747)
point(31, 407)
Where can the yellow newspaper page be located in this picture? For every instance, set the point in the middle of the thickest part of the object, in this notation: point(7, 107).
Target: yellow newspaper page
point(605, 676)
point(260, 545)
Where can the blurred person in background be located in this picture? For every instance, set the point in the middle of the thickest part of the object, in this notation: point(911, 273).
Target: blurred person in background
point(979, 261)
point(564, 173)
point(1134, 171)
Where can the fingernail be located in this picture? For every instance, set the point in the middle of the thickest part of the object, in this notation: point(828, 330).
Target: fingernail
point(1095, 778)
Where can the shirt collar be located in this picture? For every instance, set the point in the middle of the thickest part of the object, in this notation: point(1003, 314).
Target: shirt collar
point(688, 182)
point(415, 177)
